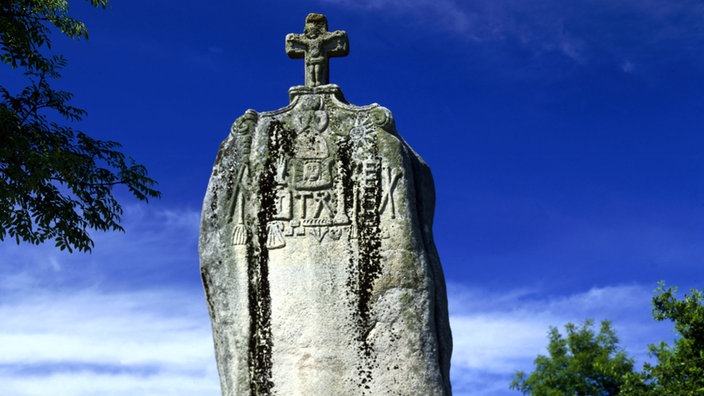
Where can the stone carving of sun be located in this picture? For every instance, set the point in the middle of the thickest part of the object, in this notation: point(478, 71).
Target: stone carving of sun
point(361, 137)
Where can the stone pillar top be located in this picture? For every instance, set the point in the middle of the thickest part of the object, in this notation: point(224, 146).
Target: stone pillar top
point(316, 46)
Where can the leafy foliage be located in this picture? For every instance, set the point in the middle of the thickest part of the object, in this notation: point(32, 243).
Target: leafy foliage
point(589, 364)
point(582, 364)
point(680, 368)
point(55, 182)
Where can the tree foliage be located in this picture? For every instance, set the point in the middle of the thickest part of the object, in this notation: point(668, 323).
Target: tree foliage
point(589, 364)
point(582, 363)
point(56, 182)
point(679, 369)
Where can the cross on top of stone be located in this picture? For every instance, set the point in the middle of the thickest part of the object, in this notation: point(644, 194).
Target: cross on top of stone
point(316, 45)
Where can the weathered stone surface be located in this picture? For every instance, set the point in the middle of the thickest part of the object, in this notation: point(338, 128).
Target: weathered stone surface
point(317, 255)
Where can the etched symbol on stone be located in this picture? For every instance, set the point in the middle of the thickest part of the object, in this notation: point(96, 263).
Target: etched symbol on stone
point(275, 237)
point(340, 215)
point(316, 45)
point(280, 177)
point(311, 115)
point(369, 167)
point(282, 205)
point(335, 233)
point(237, 210)
point(302, 198)
point(323, 200)
point(294, 228)
point(312, 174)
point(353, 231)
point(239, 236)
point(389, 180)
point(319, 233)
point(360, 133)
point(361, 138)
point(312, 167)
point(318, 211)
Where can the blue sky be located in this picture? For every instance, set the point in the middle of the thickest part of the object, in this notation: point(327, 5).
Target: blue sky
point(565, 139)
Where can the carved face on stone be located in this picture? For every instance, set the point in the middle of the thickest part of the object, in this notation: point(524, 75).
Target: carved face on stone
point(316, 25)
point(311, 171)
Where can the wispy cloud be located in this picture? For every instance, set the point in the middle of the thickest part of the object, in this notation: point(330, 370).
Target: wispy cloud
point(622, 34)
point(159, 246)
point(88, 342)
point(158, 342)
point(115, 322)
point(89, 384)
point(447, 13)
point(496, 334)
point(118, 321)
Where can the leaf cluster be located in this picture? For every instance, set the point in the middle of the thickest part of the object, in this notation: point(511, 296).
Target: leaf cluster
point(25, 28)
point(56, 182)
point(582, 363)
point(680, 367)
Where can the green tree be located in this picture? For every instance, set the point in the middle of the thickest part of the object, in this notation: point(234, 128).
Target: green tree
point(679, 369)
point(56, 182)
point(582, 364)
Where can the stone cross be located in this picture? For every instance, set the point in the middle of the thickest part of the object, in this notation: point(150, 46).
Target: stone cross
point(316, 45)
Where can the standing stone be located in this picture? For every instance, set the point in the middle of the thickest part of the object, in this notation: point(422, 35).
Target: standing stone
point(316, 247)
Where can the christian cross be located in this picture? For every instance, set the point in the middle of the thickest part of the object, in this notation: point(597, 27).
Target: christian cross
point(316, 45)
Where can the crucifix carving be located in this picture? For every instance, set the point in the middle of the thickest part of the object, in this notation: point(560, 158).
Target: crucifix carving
point(316, 46)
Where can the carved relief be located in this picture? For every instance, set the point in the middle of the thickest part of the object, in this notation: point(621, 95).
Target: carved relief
point(389, 180)
point(282, 205)
point(312, 165)
point(275, 236)
point(316, 45)
point(312, 174)
point(319, 233)
point(280, 178)
point(239, 205)
point(361, 138)
point(242, 130)
point(310, 198)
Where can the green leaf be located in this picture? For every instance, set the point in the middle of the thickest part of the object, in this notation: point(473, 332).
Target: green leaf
point(579, 363)
point(56, 182)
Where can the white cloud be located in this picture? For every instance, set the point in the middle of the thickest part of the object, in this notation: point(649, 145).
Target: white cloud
point(115, 323)
point(158, 246)
point(88, 342)
point(130, 318)
point(158, 342)
point(496, 334)
point(90, 384)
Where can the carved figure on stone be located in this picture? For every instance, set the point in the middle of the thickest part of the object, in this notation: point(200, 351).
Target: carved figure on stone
point(313, 160)
point(316, 45)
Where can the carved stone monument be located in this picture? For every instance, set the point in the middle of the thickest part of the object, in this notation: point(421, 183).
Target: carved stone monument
point(316, 247)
